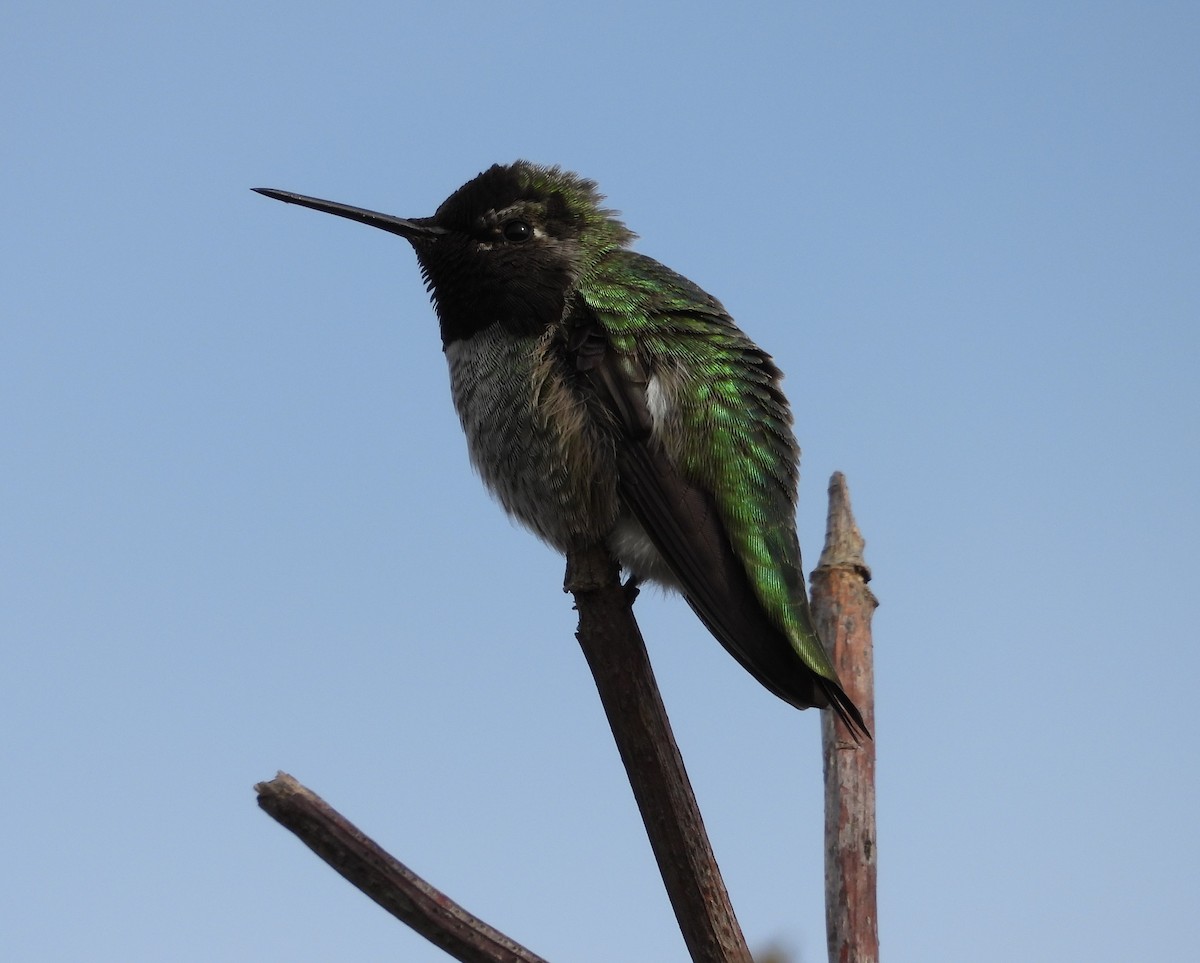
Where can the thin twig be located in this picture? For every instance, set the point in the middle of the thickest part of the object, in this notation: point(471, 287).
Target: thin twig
point(616, 654)
point(388, 882)
point(842, 608)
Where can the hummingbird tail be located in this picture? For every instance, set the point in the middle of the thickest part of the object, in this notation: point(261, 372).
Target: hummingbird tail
point(846, 710)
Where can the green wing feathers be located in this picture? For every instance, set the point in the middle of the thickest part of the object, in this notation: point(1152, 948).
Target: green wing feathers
point(732, 436)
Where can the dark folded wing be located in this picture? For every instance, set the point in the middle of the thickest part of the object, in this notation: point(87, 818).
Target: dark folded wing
point(684, 521)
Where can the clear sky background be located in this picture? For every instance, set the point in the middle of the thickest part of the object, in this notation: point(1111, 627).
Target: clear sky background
point(239, 532)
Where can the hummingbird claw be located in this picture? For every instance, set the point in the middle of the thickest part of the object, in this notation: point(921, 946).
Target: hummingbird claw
point(633, 588)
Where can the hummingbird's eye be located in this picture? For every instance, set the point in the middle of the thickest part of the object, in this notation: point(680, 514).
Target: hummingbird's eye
point(517, 231)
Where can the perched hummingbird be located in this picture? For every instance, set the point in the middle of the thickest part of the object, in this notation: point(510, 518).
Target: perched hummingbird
point(605, 397)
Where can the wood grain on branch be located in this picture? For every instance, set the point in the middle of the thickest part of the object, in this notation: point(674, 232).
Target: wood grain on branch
point(842, 608)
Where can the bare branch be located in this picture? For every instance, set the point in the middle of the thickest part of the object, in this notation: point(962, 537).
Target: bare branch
point(616, 654)
point(388, 882)
point(842, 608)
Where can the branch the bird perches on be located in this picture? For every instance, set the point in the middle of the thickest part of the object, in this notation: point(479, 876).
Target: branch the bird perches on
point(616, 654)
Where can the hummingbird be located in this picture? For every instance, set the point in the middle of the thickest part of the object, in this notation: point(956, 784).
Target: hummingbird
point(606, 398)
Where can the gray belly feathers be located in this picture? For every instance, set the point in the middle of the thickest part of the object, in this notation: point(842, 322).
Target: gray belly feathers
point(539, 452)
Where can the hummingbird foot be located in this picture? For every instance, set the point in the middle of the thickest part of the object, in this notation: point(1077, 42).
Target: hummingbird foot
point(633, 588)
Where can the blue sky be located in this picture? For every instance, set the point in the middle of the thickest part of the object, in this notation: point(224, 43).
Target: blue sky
point(240, 533)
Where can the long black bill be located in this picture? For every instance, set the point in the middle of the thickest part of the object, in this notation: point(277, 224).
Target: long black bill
point(385, 222)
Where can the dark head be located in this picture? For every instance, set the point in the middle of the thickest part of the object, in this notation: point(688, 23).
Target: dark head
point(508, 246)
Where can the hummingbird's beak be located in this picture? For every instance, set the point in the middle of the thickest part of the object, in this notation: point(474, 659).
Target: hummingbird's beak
point(412, 230)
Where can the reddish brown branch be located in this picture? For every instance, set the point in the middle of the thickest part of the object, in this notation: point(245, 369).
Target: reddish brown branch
point(613, 646)
point(842, 607)
point(388, 882)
